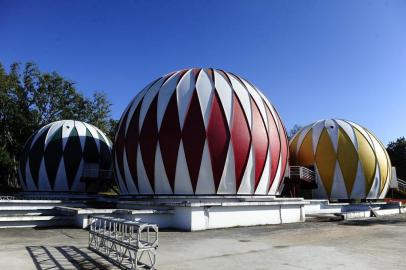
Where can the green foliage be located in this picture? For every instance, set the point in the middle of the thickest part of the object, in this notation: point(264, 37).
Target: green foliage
point(293, 131)
point(397, 154)
point(30, 99)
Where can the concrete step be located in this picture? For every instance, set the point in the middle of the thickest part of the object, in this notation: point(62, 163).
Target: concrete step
point(30, 213)
point(31, 203)
point(20, 221)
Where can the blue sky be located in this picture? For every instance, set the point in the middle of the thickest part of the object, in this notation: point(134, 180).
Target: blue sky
point(312, 59)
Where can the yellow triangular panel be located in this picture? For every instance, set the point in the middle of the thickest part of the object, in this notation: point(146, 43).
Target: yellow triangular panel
point(382, 161)
point(305, 155)
point(326, 160)
point(348, 159)
point(292, 149)
point(368, 159)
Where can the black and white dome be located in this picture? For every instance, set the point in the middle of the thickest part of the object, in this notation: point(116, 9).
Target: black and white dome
point(55, 157)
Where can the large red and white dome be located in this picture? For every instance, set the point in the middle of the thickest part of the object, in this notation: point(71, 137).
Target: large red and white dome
point(200, 131)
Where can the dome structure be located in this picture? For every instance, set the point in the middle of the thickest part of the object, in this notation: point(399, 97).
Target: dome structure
point(200, 131)
point(349, 161)
point(55, 156)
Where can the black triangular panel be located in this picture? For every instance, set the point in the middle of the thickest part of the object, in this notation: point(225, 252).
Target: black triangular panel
point(35, 156)
point(105, 154)
point(53, 155)
point(90, 152)
point(72, 156)
point(24, 157)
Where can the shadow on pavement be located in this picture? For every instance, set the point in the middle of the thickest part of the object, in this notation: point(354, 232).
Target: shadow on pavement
point(375, 221)
point(66, 257)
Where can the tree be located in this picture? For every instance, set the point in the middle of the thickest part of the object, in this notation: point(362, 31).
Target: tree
point(397, 153)
point(293, 131)
point(30, 99)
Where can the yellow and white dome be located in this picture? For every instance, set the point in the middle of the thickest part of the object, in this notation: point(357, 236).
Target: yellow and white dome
point(349, 161)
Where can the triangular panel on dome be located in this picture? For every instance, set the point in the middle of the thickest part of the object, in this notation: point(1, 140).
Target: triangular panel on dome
point(263, 185)
point(205, 181)
point(184, 91)
point(247, 185)
point(338, 190)
point(161, 184)
point(43, 182)
point(61, 181)
point(326, 160)
point(347, 157)
point(358, 189)
point(131, 182)
point(205, 92)
point(227, 183)
point(224, 94)
point(183, 184)
point(375, 188)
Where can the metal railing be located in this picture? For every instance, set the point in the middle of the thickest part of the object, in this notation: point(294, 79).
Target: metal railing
point(401, 185)
point(127, 244)
point(301, 173)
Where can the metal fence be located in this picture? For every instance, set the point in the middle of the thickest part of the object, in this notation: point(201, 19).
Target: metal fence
point(127, 244)
point(301, 173)
point(402, 185)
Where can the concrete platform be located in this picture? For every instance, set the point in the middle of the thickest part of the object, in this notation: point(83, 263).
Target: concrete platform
point(377, 243)
point(188, 213)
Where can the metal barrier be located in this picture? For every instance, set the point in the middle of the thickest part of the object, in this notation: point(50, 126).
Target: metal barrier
point(402, 185)
point(301, 173)
point(127, 244)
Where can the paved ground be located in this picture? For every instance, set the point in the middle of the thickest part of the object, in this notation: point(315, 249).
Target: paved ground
point(367, 244)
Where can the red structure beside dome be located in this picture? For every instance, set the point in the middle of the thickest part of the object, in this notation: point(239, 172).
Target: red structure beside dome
point(200, 131)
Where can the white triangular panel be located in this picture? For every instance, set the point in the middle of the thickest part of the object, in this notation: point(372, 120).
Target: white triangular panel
point(338, 190)
point(161, 183)
point(129, 181)
point(67, 127)
point(148, 98)
point(332, 129)
point(358, 189)
point(164, 95)
point(227, 183)
point(320, 192)
point(205, 180)
point(183, 185)
point(225, 94)
point(144, 186)
point(94, 133)
point(39, 133)
point(43, 181)
point(382, 195)
point(349, 131)
point(376, 185)
point(119, 179)
point(78, 185)
point(28, 177)
point(302, 135)
point(55, 126)
point(362, 131)
point(243, 96)
point(317, 128)
point(101, 133)
point(120, 123)
point(184, 91)
point(204, 89)
point(263, 184)
point(134, 104)
point(247, 182)
point(258, 101)
point(273, 190)
point(61, 181)
point(81, 129)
